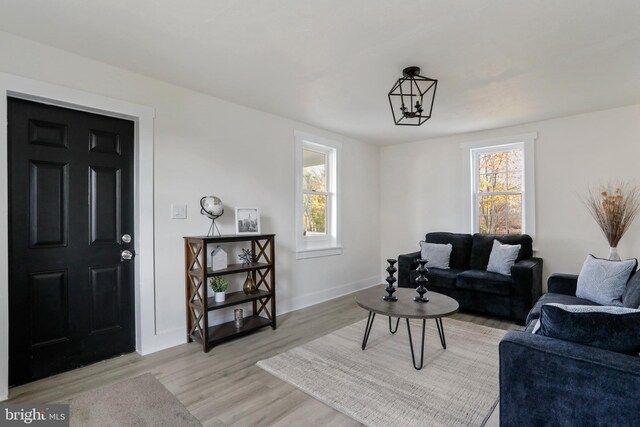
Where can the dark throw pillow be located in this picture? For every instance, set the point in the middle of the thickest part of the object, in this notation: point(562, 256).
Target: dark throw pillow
point(606, 327)
point(631, 295)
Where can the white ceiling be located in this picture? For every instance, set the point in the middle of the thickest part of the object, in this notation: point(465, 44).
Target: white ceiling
point(330, 63)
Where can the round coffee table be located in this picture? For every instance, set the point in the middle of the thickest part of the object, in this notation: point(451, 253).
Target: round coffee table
point(405, 307)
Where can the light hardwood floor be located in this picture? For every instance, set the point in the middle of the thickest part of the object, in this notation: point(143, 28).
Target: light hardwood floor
point(225, 387)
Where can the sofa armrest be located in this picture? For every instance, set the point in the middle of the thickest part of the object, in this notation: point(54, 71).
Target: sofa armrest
point(546, 381)
point(527, 287)
point(406, 263)
point(565, 284)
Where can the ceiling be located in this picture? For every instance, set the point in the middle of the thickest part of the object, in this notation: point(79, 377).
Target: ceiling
point(330, 63)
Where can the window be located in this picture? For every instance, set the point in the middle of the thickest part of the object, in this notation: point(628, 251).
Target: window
point(498, 191)
point(317, 201)
point(501, 177)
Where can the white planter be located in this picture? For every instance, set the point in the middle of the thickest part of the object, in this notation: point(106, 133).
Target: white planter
point(219, 296)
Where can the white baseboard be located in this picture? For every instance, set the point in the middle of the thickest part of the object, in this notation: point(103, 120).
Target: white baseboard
point(326, 295)
point(163, 340)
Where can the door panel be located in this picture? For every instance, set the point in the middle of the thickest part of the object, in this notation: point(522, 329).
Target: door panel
point(105, 142)
point(71, 298)
point(104, 189)
point(47, 133)
point(49, 322)
point(48, 203)
point(105, 290)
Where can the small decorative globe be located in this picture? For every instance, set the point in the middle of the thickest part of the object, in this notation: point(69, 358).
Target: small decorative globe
point(211, 206)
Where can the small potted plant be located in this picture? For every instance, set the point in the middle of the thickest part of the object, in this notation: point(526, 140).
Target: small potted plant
point(219, 286)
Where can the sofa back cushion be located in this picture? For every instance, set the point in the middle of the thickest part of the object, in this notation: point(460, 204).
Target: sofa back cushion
point(610, 328)
point(483, 243)
point(631, 295)
point(461, 247)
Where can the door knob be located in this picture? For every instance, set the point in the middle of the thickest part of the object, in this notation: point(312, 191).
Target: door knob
point(126, 238)
point(126, 255)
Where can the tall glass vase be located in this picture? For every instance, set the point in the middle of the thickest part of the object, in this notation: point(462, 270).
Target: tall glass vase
point(613, 254)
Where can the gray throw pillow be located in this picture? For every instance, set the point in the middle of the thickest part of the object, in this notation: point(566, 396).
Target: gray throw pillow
point(438, 255)
point(502, 258)
point(604, 281)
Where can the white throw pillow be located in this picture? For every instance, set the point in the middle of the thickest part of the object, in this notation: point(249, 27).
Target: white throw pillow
point(438, 255)
point(604, 281)
point(502, 258)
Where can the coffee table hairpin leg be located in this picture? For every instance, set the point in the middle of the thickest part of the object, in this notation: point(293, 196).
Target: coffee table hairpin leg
point(413, 357)
point(440, 334)
point(393, 331)
point(367, 329)
point(440, 326)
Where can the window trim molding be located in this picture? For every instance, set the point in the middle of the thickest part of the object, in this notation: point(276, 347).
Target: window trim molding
point(469, 149)
point(317, 246)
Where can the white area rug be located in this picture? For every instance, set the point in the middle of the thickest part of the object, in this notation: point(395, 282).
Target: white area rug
point(379, 386)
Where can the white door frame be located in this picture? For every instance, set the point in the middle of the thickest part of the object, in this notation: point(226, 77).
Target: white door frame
point(147, 340)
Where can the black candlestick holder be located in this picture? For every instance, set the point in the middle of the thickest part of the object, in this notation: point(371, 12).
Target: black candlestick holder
point(421, 281)
point(390, 289)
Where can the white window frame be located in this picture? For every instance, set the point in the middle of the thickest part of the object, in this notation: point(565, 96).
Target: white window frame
point(472, 150)
point(329, 243)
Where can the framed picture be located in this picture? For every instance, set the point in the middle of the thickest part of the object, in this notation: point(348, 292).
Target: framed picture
point(247, 221)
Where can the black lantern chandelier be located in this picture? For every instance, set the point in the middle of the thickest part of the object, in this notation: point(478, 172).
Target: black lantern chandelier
point(411, 98)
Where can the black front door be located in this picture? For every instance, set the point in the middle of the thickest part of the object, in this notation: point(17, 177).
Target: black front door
point(71, 296)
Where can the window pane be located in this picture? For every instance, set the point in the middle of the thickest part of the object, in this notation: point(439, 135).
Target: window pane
point(486, 182)
point(485, 224)
point(484, 205)
point(499, 224)
point(515, 205)
point(499, 205)
point(315, 214)
point(514, 161)
point(500, 182)
point(515, 225)
point(492, 162)
point(314, 171)
point(514, 181)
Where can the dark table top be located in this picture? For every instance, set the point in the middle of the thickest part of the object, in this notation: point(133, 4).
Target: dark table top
point(438, 306)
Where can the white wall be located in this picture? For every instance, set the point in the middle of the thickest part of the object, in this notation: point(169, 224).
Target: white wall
point(204, 146)
point(421, 185)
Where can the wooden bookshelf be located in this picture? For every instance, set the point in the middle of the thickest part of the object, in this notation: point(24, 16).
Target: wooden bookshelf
point(199, 303)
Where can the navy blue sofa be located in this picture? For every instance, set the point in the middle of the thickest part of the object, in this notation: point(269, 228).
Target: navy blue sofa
point(468, 281)
point(550, 382)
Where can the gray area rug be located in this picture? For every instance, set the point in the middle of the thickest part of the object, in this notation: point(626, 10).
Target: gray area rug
point(139, 401)
point(379, 386)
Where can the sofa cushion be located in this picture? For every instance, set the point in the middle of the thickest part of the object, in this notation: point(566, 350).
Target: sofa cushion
point(607, 327)
point(604, 281)
point(438, 255)
point(461, 250)
point(631, 295)
point(438, 277)
point(483, 244)
point(502, 258)
point(484, 281)
point(550, 298)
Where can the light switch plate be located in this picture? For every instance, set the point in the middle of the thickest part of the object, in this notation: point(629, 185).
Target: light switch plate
point(178, 211)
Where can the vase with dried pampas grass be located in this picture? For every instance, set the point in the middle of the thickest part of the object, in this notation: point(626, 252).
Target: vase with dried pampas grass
point(614, 207)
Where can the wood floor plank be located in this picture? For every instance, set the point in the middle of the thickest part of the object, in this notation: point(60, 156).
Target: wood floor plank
point(224, 387)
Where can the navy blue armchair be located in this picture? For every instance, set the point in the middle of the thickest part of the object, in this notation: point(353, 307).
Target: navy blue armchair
point(550, 382)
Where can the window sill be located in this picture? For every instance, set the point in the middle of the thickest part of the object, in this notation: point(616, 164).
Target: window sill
point(318, 252)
